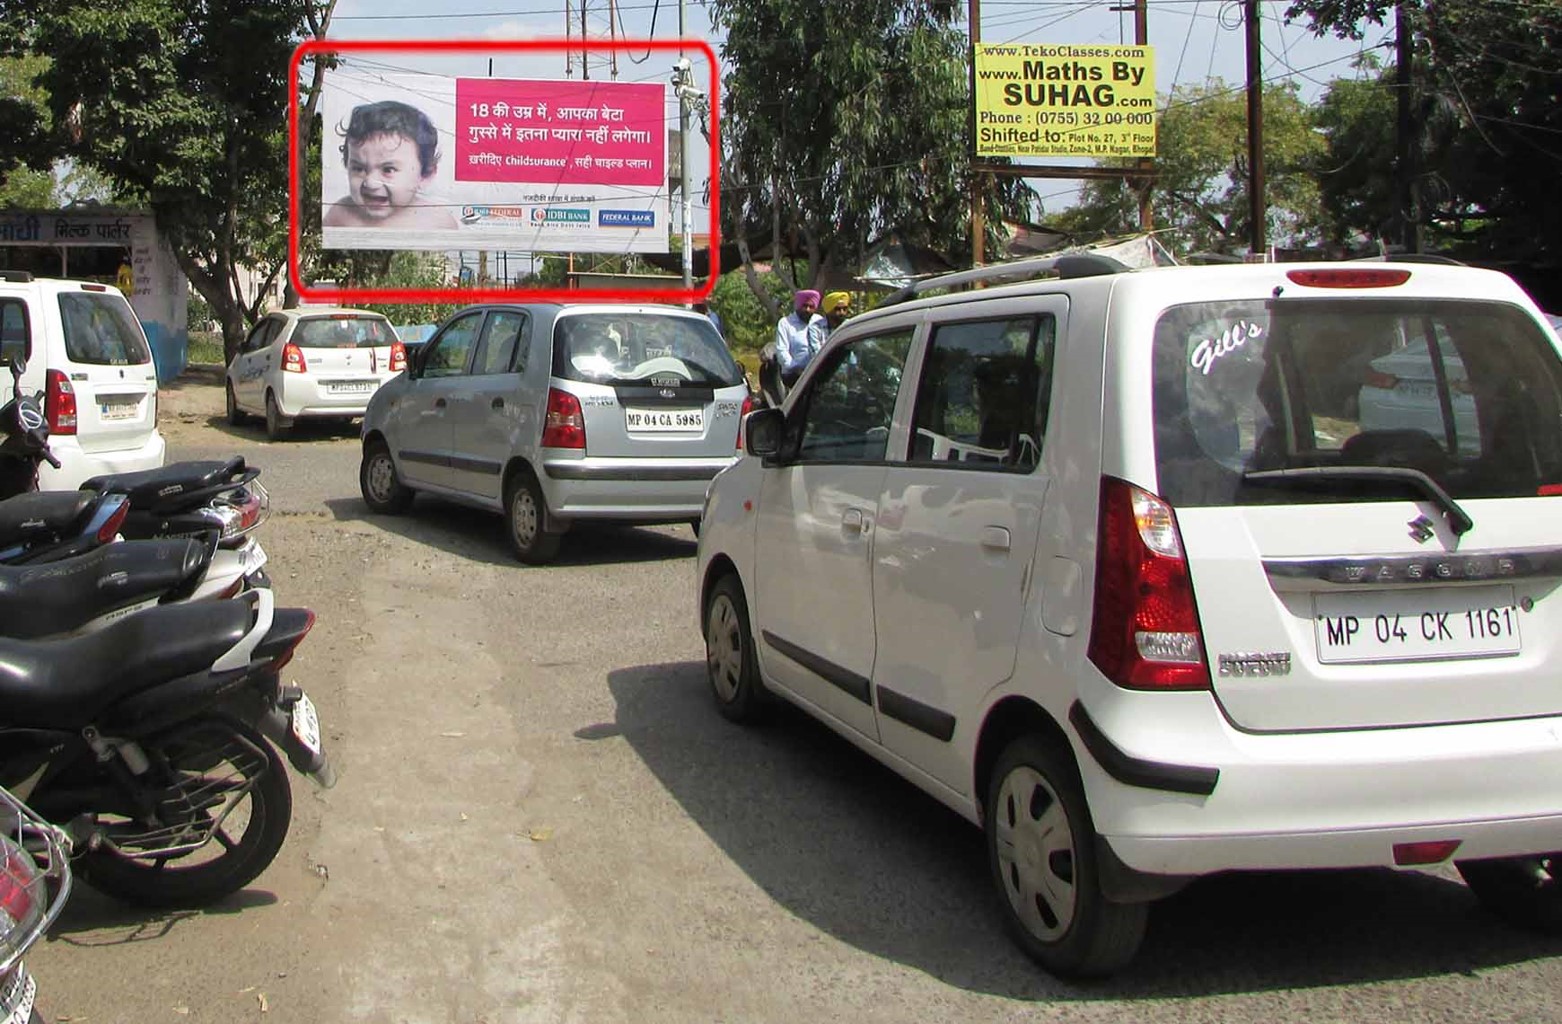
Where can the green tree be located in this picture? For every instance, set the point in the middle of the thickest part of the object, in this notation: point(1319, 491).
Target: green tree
point(1200, 193)
point(1356, 173)
point(25, 156)
point(184, 107)
point(844, 121)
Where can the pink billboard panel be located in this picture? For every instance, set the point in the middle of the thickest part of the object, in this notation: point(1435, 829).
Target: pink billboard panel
point(561, 132)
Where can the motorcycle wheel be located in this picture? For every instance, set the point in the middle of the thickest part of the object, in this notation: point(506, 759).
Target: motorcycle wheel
point(213, 775)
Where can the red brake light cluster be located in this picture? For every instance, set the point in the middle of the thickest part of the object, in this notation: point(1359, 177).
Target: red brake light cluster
point(748, 407)
point(1375, 278)
point(398, 360)
point(17, 877)
point(293, 359)
point(1145, 630)
point(59, 403)
point(565, 426)
point(110, 528)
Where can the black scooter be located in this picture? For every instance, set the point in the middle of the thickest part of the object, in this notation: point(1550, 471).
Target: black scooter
point(153, 744)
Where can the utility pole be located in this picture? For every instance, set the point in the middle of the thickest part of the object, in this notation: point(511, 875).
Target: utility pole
point(683, 79)
point(1405, 133)
point(1142, 38)
point(978, 178)
point(1257, 208)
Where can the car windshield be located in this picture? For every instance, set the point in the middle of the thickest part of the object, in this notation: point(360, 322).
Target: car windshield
point(642, 349)
point(344, 332)
point(1468, 393)
point(101, 329)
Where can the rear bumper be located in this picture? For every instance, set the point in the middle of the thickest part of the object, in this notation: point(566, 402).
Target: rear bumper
point(629, 489)
point(306, 397)
point(77, 466)
point(1312, 800)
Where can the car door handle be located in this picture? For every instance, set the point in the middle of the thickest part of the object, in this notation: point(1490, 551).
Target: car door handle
point(853, 521)
point(497, 403)
point(995, 538)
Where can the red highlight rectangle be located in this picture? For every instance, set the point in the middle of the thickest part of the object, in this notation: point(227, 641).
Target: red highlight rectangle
point(503, 91)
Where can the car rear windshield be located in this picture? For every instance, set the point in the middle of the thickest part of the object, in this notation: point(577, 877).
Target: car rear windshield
point(642, 349)
point(1467, 392)
point(101, 329)
point(344, 332)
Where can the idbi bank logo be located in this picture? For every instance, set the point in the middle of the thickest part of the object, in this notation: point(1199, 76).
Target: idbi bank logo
point(626, 218)
point(560, 215)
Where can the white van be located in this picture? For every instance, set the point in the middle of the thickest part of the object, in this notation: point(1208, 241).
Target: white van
point(87, 355)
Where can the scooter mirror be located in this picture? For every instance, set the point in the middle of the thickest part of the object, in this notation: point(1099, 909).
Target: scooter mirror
point(13, 355)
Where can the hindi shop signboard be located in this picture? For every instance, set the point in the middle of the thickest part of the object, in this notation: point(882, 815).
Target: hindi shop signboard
point(431, 162)
point(1046, 100)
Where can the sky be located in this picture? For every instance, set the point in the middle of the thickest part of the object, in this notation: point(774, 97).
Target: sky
point(1194, 40)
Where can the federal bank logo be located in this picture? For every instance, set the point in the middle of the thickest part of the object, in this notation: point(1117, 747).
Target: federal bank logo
point(560, 215)
point(626, 218)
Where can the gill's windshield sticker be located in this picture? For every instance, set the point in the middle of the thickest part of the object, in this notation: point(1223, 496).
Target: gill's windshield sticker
point(1207, 352)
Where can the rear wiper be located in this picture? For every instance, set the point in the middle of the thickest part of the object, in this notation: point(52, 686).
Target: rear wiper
point(1459, 521)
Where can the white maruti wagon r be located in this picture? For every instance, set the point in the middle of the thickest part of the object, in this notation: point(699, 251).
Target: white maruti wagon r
point(1140, 571)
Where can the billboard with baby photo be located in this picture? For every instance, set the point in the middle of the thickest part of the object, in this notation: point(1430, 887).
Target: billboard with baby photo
point(423, 161)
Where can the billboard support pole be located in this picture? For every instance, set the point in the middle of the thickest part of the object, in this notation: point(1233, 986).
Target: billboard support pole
point(685, 85)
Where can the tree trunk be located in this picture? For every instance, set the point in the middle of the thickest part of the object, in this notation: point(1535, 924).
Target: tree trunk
point(225, 306)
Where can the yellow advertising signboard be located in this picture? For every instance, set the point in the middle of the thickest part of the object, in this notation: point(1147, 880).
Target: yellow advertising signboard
point(1044, 100)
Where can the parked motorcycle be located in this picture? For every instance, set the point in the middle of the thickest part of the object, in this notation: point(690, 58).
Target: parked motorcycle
point(154, 742)
point(87, 592)
point(219, 501)
point(32, 894)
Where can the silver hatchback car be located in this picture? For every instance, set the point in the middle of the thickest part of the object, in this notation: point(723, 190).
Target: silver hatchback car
point(551, 413)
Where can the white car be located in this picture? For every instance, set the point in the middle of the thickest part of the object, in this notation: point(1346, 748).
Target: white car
point(1114, 565)
point(86, 352)
point(312, 363)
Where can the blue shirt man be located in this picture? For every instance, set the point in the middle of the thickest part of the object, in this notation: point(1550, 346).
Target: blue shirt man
point(799, 335)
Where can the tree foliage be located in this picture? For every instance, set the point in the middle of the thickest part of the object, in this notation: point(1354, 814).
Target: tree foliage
point(846, 121)
point(183, 105)
point(1199, 200)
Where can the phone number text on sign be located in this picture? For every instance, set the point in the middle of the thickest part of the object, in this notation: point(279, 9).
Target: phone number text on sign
point(561, 132)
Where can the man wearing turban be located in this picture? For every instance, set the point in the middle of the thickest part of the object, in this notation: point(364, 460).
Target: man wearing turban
point(797, 336)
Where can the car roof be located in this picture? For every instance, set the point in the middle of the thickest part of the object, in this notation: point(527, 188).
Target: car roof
point(300, 312)
point(1244, 280)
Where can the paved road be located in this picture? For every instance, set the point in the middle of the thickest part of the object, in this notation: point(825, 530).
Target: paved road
point(541, 819)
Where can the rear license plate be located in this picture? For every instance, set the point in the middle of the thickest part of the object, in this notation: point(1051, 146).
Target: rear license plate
point(306, 724)
point(119, 409)
point(253, 555)
point(16, 1003)
point(664, 420)
point(1423, 625)
point(353, 387)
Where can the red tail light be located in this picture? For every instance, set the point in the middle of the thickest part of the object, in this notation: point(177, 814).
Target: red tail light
point(398, 357)
point(748, 407)
point(1379, 379)
point(17, 879)
point(566, 425)
point(287, 655)
point(1349, 278)
point(110, 528)
point(59, 403)
point(293, 359)
point(1145, 632)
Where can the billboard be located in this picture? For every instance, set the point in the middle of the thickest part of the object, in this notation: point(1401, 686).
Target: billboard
point(1057, 100)
point(437, 162)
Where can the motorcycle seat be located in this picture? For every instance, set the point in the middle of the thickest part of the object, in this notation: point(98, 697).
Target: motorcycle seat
point(69, 683)
point(37, 514)
point(172, 486)
point(58, 597)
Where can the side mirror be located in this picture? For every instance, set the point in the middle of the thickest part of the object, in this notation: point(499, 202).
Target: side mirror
point(763, 432)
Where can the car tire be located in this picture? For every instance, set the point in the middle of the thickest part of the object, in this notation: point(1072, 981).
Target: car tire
point(277, 426)
point(1523, 891)
point(1041, 847)
point(525, 515)
point(236, 416)
point(731, 664)
point(379, 482)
